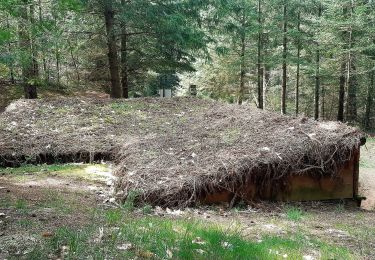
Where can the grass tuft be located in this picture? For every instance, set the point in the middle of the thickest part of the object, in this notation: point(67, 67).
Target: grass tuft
point(294, 214)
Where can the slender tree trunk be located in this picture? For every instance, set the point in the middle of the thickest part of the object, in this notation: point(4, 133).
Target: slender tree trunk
point(124, 58)
point(25, 46)
point(298, 63)
point(242, 65)
point(352, 78)
point(75, 63)
point(109, 17)
point(45, 70)
point(11, 65)
point(370, 101)
point(283, 90)
point(340, 115)
point(260, 67)
point(57, 56)
point(352, 95)
point(266, 79)
point(323, 104)
point(242, 71)
point(34, 50)
point(317, 75)
point(343, 75)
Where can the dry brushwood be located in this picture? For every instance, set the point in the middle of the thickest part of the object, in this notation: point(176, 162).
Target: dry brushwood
point(171, 152)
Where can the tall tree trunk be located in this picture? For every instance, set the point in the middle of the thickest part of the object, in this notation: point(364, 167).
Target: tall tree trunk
point(45, 70)
point(352, 77)
point(352, 94)
point(317, 75)
point(317, 85)
point(242, 65)
point(322, 103)
point(343, 74)
point(242, 71)
point(75, 62)
point(266, 80)
point(11, 65)
point(57, 56)
point(124, 58)
point(283, 90)
point(298, 63)
point(340, 114)
point(370, 101)
point(260, 67)
point(25, 46)
point(34, 50)
point(109, 17)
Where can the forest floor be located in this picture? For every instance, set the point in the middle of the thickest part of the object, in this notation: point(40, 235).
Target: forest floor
point(66, 212)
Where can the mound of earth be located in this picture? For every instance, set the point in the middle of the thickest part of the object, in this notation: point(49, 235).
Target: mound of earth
point(170, 151)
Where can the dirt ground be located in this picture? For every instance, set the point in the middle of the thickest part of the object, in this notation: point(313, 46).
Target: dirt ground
point(36, 203)
point(367, 174)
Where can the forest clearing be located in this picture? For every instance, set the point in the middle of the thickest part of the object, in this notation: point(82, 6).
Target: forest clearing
point(187, 129)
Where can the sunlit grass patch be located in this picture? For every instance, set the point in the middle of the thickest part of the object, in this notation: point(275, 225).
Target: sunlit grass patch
point(87, 172)
point(40, 168)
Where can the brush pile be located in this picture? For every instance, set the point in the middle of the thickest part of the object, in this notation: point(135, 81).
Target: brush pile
point(174, 151)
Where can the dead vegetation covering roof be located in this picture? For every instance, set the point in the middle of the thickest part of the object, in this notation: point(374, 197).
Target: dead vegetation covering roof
point(171, 151)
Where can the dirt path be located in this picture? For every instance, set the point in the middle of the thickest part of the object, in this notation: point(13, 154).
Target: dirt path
point(367, 175)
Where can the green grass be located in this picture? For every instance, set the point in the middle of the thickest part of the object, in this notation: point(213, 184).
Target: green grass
point(21, 204)
point(156, 238)
point(40, 168)
point(114, 216)
point(56, 200)
point(81, 172)
point(294, 214)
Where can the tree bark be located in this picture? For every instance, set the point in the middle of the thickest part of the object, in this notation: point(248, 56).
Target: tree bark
point(340, 115)
point(34, 50)
point(298, 64)
point(25, 46)
point(75, 62)
point(260, 67)
point(242, 66)
point(370, 101)
point(45, 67)
point(11, 65)
point(352, 94)
point(284, 82)
point(317, 76)
point(266, 80)
point(109, 17)
point(124, 59)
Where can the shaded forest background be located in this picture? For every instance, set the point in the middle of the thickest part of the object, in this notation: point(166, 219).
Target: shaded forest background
point(312, 57)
